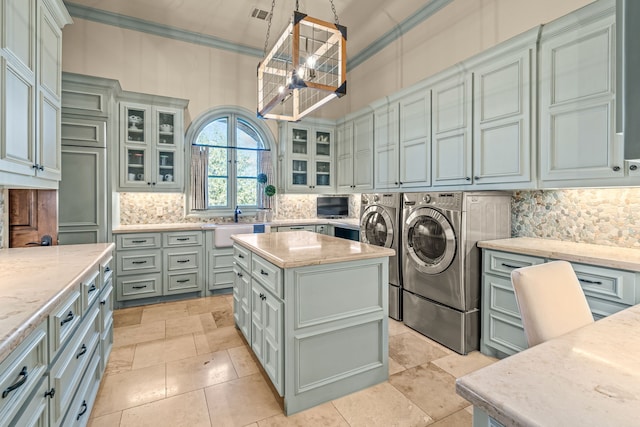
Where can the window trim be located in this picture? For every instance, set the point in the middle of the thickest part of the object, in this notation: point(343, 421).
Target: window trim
point(194, 130)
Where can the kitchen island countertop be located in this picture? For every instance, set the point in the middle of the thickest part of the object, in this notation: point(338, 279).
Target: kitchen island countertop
point(302, 248)
point(33, 281)
point(600, 255)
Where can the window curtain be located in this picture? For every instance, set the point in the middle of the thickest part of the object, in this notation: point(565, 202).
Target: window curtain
point(265, 167)
point(199, 188)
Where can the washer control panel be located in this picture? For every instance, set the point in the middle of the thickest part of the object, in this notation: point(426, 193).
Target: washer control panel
point(382, 199)
point(448, 201)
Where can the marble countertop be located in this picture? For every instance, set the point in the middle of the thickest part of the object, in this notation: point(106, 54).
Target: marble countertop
point(353, 223)
point(604, 256)
point(34, 280)
point(589, 377)
point(292, 249)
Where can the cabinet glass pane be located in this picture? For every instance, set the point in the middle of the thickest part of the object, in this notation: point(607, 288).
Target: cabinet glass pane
point(135, 165)
point(299, 141)
point(323, 143)
point(135, 129)
point(166, 163)
point(165, 128)
point(323, 170)
point(299, 172)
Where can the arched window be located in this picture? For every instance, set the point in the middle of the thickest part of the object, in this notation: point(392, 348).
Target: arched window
point(229, 149)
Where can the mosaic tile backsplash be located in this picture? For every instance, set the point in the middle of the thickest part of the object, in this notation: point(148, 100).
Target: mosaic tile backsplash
point(601, 216)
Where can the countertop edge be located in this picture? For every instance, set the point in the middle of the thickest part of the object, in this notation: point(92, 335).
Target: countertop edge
point(482, 403)
point(12, 340)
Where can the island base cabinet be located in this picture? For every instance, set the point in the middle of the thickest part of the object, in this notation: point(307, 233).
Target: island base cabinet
point(242, 301)
point(481, 419)
point(36, 412)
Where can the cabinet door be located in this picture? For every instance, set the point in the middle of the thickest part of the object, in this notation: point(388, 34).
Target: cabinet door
point(167, 163)
point(452, 161)
point(345, 157)
point(18, 36)
point(415, 142)
point(135, 160)
point(386, 145)
point(577, 115)
point(272, 357)
point(363, 152)
point(257, 320)
point(323, 159)
point(242, 301)
point(502, 119)
point(49, 157)
point(299, 156)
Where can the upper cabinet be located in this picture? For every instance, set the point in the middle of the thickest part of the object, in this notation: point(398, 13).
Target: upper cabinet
point(355, 153)
point(577, 97)
point(308, 154)
point(30, 69)
point(151, 143)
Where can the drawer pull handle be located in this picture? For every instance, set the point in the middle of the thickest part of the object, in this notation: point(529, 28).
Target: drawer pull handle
point(182, 261)
point(263, 297)
point(83, 350)
point(139, 287)
point(138, 262)
point(139, 241)
point(240, 256)
point(510, 266)
point(591, 282)
point(83, 410)
point(103, 302)
point(92, 288)
point(22, 378)
point(67, 319)
point(50, 393)
point(107, 269)
point(264, 273)
point(182, 280)
point(182, 239)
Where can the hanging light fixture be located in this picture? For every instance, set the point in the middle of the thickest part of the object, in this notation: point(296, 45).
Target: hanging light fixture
point(305, 69)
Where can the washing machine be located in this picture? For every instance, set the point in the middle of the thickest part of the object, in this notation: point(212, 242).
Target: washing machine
point(441, 263)
point(380, 225)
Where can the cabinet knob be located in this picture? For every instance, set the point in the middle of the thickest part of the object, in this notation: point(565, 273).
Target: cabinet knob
point(616, 168)
point(476, 178)
point(468, 179)
point(50, 393)
point(401, 182)
point(148, 183)
point(633, 167)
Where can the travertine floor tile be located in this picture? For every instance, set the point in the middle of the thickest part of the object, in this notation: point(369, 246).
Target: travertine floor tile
point(223, 338)
point(129, 335)
point(430, 341)
point(120, 360)
point(165, 350)
point(381, 405)
point(325, 415)
point(241, 402)
point(458, 365)
point(206, 305)
point(461, 418)
point(189, 410)
point(410, 351)
point(242, 361)
point(395, 367)
point(110, 420)
point(127, 317)
point(129, 389)
point(184, 326)
point(170, 310)
point(396, 327)
point(432, 389)
point(223, 317)
point(199, 372)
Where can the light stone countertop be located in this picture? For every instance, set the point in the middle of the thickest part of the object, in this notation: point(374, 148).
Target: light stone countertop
point(292, 249)
point(353, 223)
point(589, 377)
point(604, 256)
point(33, 281)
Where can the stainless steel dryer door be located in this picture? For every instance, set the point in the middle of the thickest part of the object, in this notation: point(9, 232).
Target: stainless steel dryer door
point(376, 227)
point(429, 240)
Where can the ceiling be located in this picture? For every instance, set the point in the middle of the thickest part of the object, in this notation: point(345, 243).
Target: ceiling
point(231, 21)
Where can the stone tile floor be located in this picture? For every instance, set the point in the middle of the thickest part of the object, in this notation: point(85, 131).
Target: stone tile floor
point(185, 364)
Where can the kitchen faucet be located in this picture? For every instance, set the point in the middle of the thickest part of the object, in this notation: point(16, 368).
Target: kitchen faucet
point(236, 213)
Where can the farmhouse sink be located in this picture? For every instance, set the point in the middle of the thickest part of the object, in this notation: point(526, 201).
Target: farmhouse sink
point(223, 233)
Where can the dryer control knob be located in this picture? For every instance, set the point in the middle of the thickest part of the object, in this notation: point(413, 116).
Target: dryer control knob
point(376, 198)
point(427, 198)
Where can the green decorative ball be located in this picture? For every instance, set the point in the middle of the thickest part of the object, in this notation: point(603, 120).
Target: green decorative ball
point(270, 190)
point(262, 178)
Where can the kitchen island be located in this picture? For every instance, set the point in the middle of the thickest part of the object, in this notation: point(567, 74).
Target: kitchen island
point(314, 310)
point(588, 377)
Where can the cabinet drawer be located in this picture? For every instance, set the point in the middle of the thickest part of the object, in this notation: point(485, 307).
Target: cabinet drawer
point(499, 293)
point(63, 321)
point(35, 412)
point(106, 306)
point(138, 241)
point(90, 288)
point(242, 257)
point(606, 283)
point(182, 238)
point(503, 263)
point(183, 282)
point(297, 228)
point(106, 269)
point(141, 286)
point(139, 262)
point(80, 408)
point(183, 259)
point(267, 274)
point(21, 371)
point(221, 279)
point(221, 258)
point(68, 370)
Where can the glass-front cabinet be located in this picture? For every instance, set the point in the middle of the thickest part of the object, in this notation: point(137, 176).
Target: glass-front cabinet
point(309, 164)
point(152, 140)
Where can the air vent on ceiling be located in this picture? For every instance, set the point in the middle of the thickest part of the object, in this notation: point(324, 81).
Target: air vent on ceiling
point(260, 14)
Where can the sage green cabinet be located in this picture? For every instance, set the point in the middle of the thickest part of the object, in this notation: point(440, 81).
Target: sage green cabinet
point(415, 138)
point(151, 143)
point(386, 146)
point(242, 300)
point(219, 264)
point(355, 153)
